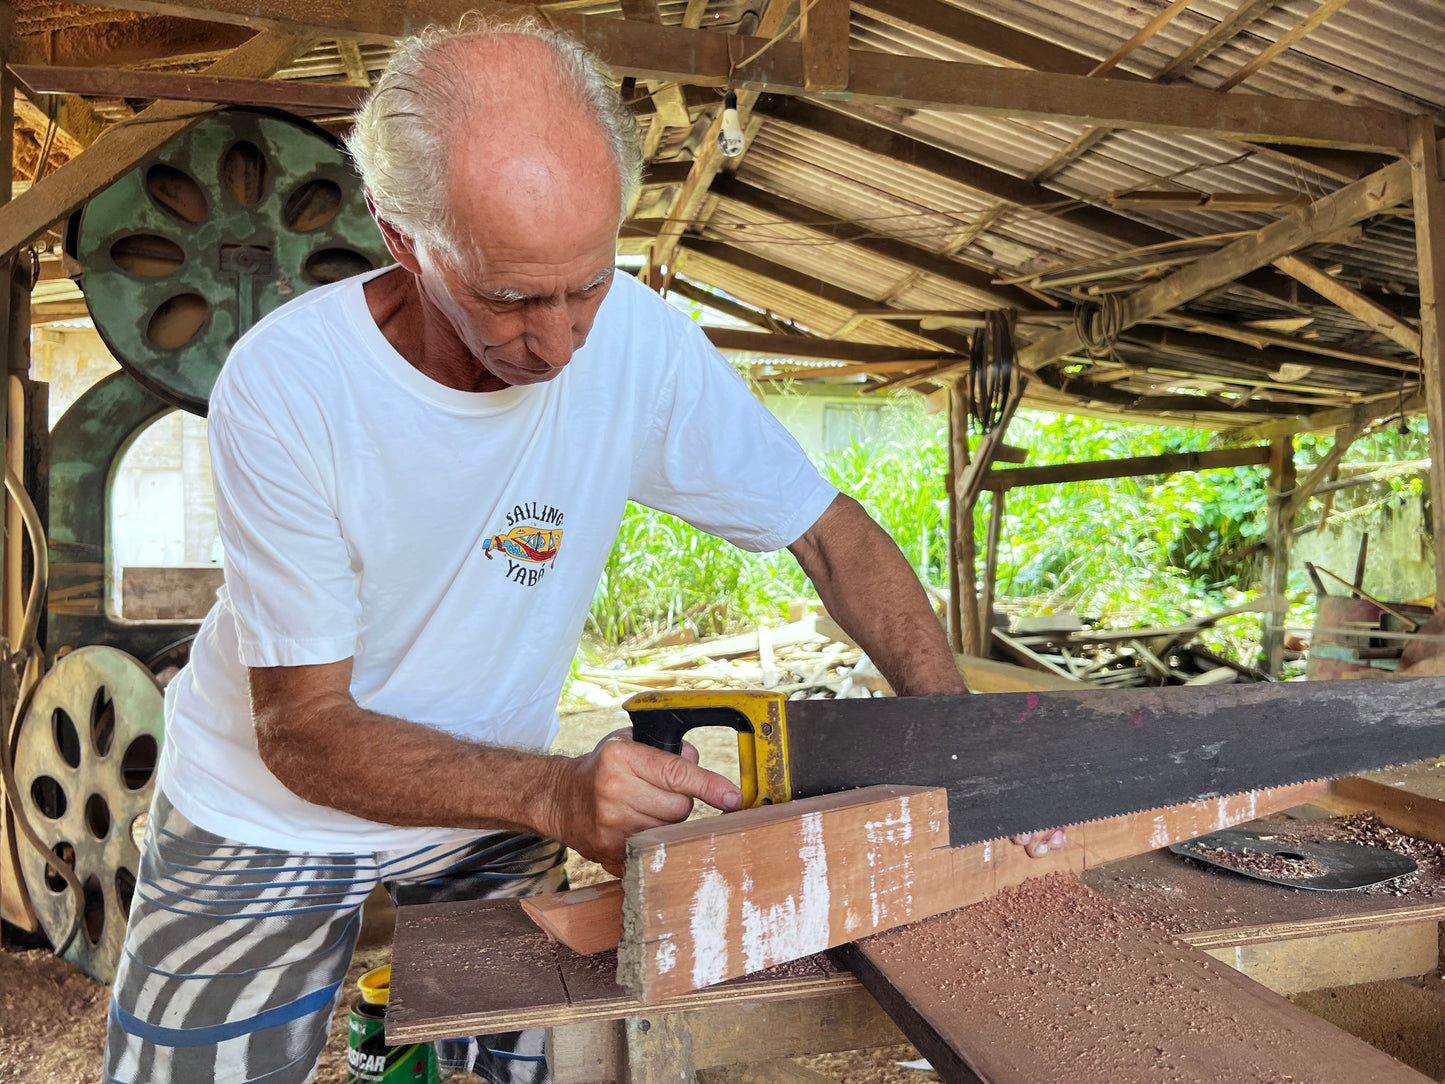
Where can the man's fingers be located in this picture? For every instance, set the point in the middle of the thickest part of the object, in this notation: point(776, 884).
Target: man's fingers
point(1038, 844)
point(681, 776)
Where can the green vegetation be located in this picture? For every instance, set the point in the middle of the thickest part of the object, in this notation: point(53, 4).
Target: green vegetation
point(1133, 551)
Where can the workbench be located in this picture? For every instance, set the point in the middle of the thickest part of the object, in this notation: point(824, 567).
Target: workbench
point(1043, 998)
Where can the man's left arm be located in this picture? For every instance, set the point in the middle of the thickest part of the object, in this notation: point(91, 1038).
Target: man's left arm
point(869, 588)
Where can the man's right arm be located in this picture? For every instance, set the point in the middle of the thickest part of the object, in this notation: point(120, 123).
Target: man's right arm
point(309, 732)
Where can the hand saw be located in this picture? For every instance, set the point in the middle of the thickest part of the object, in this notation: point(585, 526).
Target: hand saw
point(1024, 762)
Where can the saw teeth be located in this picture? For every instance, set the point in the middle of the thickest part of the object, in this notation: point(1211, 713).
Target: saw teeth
point(1147, 809)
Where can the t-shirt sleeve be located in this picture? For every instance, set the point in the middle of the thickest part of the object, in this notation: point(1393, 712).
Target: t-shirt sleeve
point(717, 458)
point(288, 570)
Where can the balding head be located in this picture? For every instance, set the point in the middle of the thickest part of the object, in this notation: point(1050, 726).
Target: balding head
point(482, 113)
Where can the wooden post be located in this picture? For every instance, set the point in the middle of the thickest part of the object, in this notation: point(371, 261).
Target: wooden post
point(1277, 541)
point(14, 902)
point(659, 1050)
point(997, 504)
point(955, 624)
point(963, 575)
point(1430, 251)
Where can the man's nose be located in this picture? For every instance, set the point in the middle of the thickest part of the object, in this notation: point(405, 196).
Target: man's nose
point(549, 334)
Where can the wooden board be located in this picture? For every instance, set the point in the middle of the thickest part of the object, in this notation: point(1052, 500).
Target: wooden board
point(736, 892)
point(1051, 982)
point(586, 920)
point(711, 899)
point(844, 1018)
point(482, 966)
point(992, 676)
point(1338, 959)
point(1410, 798)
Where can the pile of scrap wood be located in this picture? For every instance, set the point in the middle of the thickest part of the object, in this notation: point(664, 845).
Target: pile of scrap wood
point(1061, 645)
point(808, 658)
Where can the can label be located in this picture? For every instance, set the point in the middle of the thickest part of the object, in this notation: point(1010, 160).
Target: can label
point(370, 1061)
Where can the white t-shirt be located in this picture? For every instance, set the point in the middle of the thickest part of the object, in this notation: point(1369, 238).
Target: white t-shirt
point(450, 542)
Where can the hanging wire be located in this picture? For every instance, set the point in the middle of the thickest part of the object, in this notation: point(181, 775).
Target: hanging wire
point(992, 372)
point(1099, 325)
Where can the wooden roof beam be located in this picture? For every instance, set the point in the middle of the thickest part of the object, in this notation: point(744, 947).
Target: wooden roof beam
point(806, 346)
point(1260, 338)
point(76, 125)
point(1318, 421)
point(1265, 358)
point(709, 160)
point(135, 41)
point(1380, 191)
point(970, 278)
point(121, 148)
point(1245, 12)
point(728, 307)
point(1351, 301)
point(1354, 203)
point(646, 51)
point(759, 268)
point(167, 86)
point(1311, 22)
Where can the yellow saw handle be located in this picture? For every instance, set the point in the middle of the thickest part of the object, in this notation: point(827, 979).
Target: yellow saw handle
point(662, 719)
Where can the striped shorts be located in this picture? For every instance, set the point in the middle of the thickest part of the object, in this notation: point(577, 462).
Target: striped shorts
point(235, 956)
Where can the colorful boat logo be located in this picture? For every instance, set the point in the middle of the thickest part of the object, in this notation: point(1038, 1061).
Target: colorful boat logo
point(537, 545)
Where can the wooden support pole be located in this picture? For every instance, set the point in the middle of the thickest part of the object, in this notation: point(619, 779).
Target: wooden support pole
point(1277, 539)
point(997, 504)
point(14, 901)
point(963, 573)
point(1297, 498)
point(659, 1050)
point(1429, 195)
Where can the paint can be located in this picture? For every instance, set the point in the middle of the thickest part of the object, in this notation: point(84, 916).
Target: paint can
point(368, 1059)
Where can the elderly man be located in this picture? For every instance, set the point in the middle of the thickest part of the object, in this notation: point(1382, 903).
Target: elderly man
point(419, 474)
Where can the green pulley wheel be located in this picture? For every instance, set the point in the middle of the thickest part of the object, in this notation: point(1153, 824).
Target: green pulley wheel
point(85, 766)
point(223, 224)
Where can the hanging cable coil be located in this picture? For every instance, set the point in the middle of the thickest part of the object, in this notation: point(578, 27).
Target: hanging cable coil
point(993, 371)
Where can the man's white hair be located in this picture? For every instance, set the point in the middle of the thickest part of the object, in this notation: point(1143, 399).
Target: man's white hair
point(400, 142)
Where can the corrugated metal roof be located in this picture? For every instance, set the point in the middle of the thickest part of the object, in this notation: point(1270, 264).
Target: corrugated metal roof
point(1370, 52)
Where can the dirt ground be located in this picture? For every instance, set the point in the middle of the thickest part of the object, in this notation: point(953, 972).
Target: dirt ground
point(52, 1019)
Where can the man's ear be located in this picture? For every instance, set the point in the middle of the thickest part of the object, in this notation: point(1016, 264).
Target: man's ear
point(401, 247)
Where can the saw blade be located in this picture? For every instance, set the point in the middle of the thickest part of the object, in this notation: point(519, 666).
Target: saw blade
point(1025, 762)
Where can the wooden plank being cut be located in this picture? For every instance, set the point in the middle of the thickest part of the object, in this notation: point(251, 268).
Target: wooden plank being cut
point(711, 899)
point(1050, 982)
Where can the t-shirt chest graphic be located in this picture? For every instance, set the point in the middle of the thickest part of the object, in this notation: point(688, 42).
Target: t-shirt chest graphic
point(530, 542)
